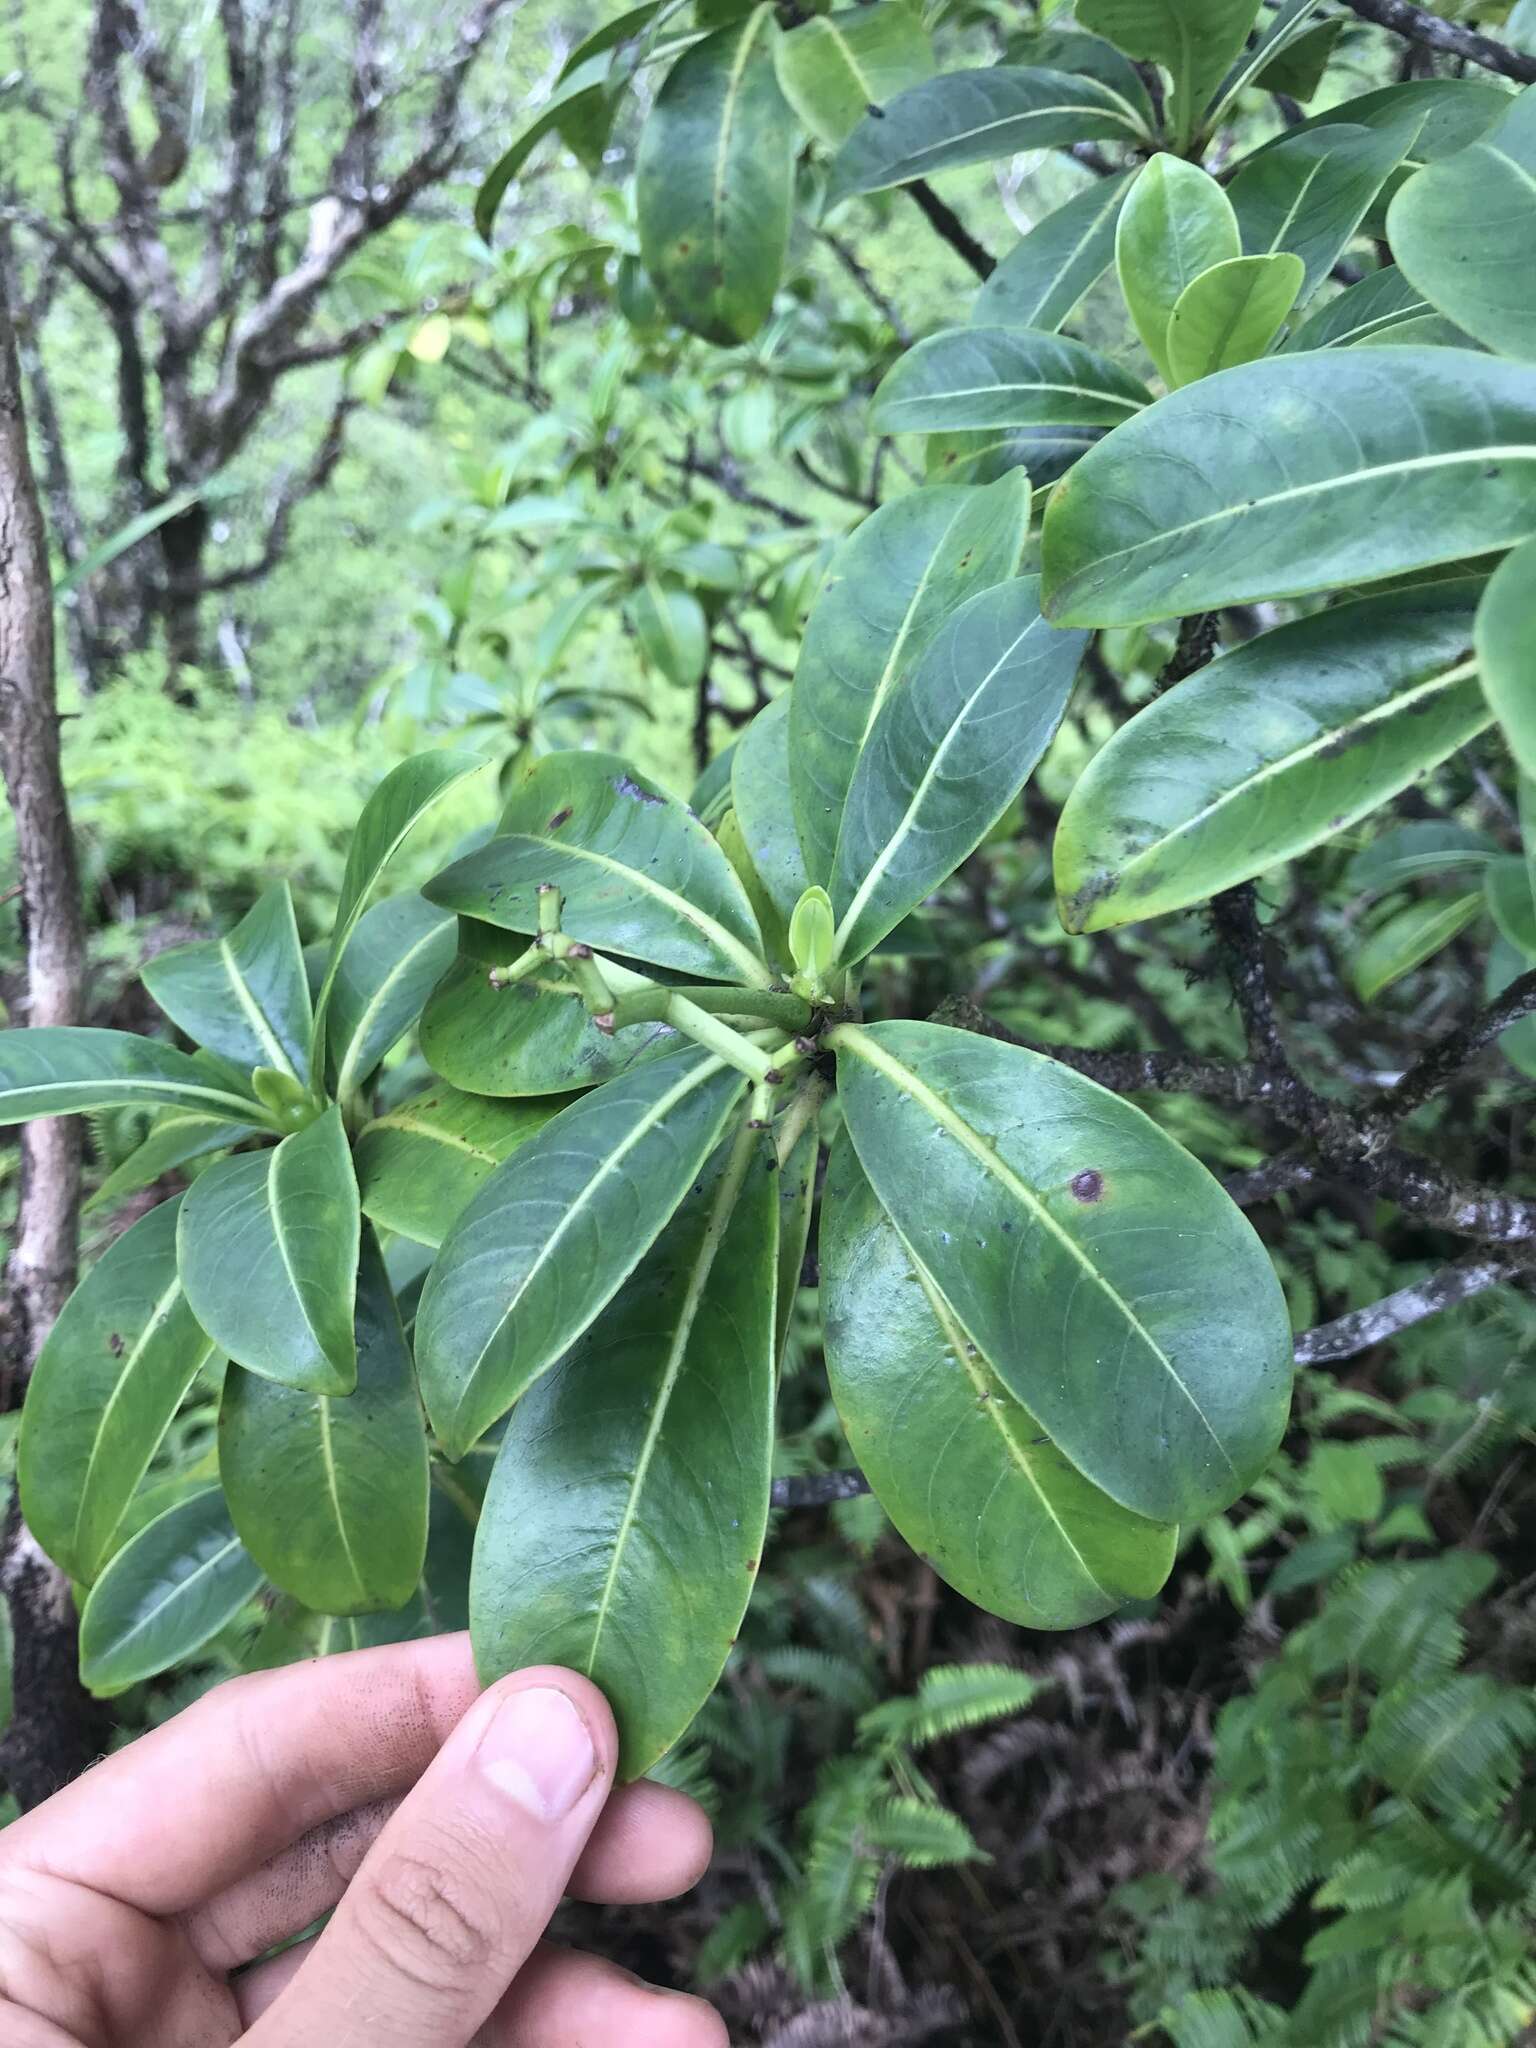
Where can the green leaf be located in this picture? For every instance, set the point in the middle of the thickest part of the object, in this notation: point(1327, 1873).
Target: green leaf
point(401, 948)
point(1176, 222)
point(812, 944)
point(834, 67)
point(108, 1380)
point(1085, 56)
point(62, 1069)
point(1409, 938)
point(245, 996)
point(1195, 41)
point(975, 117)
point(1003, 377)
point(1099, 1269)
point(1507, 886)
point(797, 1200)
point(554, 1233)
point(672, 631)
point(760, 775)
point(890, 586)
point(165, 1594)
point(624, 1523)
point(963, 1470)
point(1230, 314)
point(1464, 230)
point(714, 179)
point(330, 1497)
point(1242, 486)
point(921, 1835)
point(1364, 312)
point(420, 1164)
point(1285, 26)
point(1505, 638)
point(268, 1247)
point(638, 873)
point(582, 87)
point(949, 750)
point(1308, 194)
point(1039, 283)
point(1301, 66)
point(1457, 1746)
point(176, 1138)
point(1272, 749)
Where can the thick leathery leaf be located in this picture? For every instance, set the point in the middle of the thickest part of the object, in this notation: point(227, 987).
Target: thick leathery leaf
point(165, 1594)
point(975, 117)
point(1301, 66)
point(1040, 282)
point(1286, 25)
point(1270, 750)
point(267, 1245)
point(1101, 1271)
point(624, 1523)
point(638, 873)
point(1082, 55)
point(1308, 194)
point(1230, 314)
point(245, 996)
point(1363, 312)
point(1044, 453)
point(1464, 230)
point(419, 1164)
point(1506, 651)
point(1507, 886)
point(1194, 41)
point(760, 781)
point(555, 1232)
point(947, 754)
point(890, 586)
point(1003, 377)
point(797, 1200)
point(62, 1069)
point(330, 1496)
point(672, 631)
point(714, 178)
point(834, 67)
point(1244, 486)
point(960, 1466)
point(1176, 222)
point(175, 1139)
point(1408, 938)
point(110, 1376)
point(401, 949)
point(582, 86)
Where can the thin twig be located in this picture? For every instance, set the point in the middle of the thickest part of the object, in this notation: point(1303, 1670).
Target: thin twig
point(948, 225)
point(1433, 32)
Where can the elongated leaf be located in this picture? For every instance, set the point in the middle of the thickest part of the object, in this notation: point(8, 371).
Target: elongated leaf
point(61, 1069)
point(623, 1527)
point(419, 1165)
point(834, 67)
point(1100, 1270)
point(1273, 749)
point(797, 1200)
point(330, 1497)
point(975, 117)
point(1045, 454)
point(1409, 938)
point(1506, 651)
point(1364, 312)
point(402, 947)
point(109, 1378)
point(1003, 377)
point(760, 777)
point(1194, 40)
point(714, 178)
point(1040, 282)
point(554, 1233)
point(1230, 314)
point(638, 873)
point(1176, 223)
point(947, 754)
point(245, 996)
point(1308, 194)
point(1300, 68)
point(890, 586)
point(1086, 56)
point(267, 1245)
point(1507, 886)
point(1465, 232)
point(673, 632)
point(961, 1467)
point(580, 87)
point(1242, 486)
point(165, 1594)
point(177, 1137)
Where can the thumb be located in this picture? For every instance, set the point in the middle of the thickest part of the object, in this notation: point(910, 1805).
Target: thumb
point(453, 1897)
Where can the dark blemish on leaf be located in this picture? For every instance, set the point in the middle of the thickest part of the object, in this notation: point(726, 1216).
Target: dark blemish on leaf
point(115, 1345)
point(751, 1564)
point(558, 819)
point(1087, 1186)
point(627, 786)
point(875, 113)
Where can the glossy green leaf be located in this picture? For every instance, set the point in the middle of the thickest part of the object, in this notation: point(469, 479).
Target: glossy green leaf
point(1268, 45)
point(1230, 314)
point(1082, 55)
point(834, 67)
point(961, 1467)
point(1407, 939)
point(1505, 639)
point(714, 179)
point(1045, 454)
point(624, 1523)
point(1272, 749)
point(1039, 283)
point(1363, 312)
point(108, 1380)
point(165, 1594)
point(1300, 68)
point(1194, 40)
point(1308, 194)
point(1464, 230)
point(554, 1233)
point(1451, 113)
point(330, 1496)
point(420, 1164)
point(638, 874)
point(400, 950)
point(1003, 377)
point(1243, 486)
point(1175, 223)
point(580, 87)
point(760, 777)
point(950, 749)
point(975, 117)
point(1508, 888)
point(1101, 1271)
point(245, 996)
point(672, 631)
point(1407, 853)
point(174, 1140)
point(267, 1246)
point(890, 586)
point(61, 1069)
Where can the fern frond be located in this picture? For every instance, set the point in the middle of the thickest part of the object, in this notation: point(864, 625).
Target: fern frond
point(1456, 1747)
point(950, 1698)
point(830, 1677)
point(921, 1835)
point(1223, 2019)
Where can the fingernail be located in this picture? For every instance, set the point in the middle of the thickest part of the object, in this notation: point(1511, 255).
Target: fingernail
point(539, 1752)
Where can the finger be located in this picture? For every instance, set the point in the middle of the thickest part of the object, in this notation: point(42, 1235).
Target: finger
point(455, 1894)
point(649, 1843)
point(254, 1764)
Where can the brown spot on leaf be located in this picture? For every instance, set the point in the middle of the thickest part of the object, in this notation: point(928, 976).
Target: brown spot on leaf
point(115, 1345)
point(1087, 1186)
point(558, 819)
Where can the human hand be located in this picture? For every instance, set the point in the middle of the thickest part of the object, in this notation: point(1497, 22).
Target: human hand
point(442, 1828)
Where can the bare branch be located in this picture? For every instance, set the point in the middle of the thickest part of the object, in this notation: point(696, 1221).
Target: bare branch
point(314, 477)
point(1444, 1060)
point(818, 1489)
point(1433, 32)
point(949, 227)
point(1363, 1327)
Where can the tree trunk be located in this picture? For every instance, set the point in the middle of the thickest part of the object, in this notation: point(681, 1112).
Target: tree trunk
point(182, 540)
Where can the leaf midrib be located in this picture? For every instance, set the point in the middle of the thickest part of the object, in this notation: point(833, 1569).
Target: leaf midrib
point(255, 1016)
point(172, 1597)
point(345, 1080)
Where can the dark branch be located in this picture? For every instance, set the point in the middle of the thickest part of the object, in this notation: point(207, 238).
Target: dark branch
point(948, 225)
point(1431, 32)
point(1444, 1060)
point(817, 1489)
